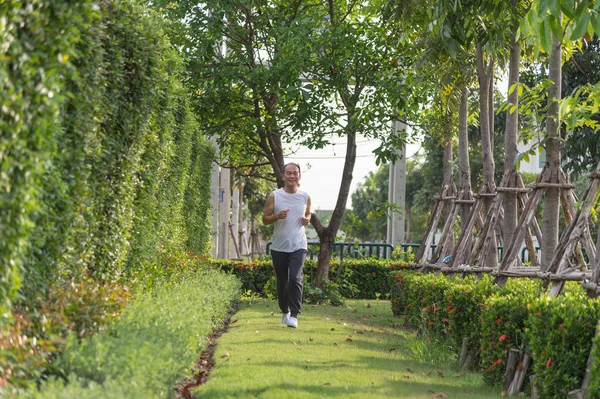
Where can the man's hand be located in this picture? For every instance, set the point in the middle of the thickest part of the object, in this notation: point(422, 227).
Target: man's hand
point(306, 220)
point(282, 214)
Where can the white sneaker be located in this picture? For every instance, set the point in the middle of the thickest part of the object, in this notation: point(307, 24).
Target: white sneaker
point(285, 319)
point(292, 322)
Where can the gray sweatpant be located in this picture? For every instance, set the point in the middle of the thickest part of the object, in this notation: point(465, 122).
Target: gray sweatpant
point(288, 268)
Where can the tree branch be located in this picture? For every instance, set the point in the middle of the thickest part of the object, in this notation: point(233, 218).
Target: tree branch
point(316, 223)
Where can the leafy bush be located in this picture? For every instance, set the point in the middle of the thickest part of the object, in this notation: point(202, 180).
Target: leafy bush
point(153, 343)
point(252, 275)
point(36, 334)
point(371, 276)
point(560, 332)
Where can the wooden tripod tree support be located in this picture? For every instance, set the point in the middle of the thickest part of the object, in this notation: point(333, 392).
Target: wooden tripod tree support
point(482, 248)
point(511, 254)
point(445, 247)
point(446, 196)
point(465, 245)
point(576, 232)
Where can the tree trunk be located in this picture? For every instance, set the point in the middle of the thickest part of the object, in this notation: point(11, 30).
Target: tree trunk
point(327, 235)
point(553, 155)
point(485, 75)
point(463, 155)
point(449, 180)
point(510, 142)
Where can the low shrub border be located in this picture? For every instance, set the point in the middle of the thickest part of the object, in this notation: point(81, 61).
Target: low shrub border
point(151, 346)
point(373, 277)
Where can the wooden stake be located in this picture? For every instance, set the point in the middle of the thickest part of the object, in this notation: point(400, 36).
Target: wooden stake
point(517, 383)
point(511, 368)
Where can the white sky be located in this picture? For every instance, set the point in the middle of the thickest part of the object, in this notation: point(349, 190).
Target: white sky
point(322, 170)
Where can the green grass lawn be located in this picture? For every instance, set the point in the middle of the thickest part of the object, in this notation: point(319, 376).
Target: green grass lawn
point(355, 351)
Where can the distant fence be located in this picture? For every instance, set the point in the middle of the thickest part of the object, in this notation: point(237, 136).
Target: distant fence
point(381, 250)
point(350, 249)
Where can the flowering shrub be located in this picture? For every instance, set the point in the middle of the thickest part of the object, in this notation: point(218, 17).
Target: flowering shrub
point(464, 305)
point(422, 301)
point(560, 332)
point(503, 325)
point(594, 389)
point(398, 298)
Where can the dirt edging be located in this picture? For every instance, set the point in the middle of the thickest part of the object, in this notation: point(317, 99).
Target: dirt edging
point(206, 361)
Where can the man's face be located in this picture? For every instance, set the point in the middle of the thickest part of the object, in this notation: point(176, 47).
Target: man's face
point(291, 174)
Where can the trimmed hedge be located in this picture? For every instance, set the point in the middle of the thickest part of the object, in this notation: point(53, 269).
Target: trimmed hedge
point(373, 277)
point(558, 332)
point(103, 167)
point(104, 172)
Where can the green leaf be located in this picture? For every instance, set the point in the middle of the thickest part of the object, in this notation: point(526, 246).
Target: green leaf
point(555, 27)
point(581, 10)
point(524, 28)
point(596, 22)
point(532, 19)
point(554, 8)
point(568, 8)
point(580, 27)
point(565, 107)
point(545, 35)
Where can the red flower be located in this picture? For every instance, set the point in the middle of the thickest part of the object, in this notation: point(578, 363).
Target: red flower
point(445, 320)
point(503, 338)
point(431, 323)
point(549, 363)
point(427, 309)
point(450, 307)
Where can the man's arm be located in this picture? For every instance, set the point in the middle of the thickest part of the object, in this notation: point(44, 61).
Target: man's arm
point(307, 215)
point(268, 216)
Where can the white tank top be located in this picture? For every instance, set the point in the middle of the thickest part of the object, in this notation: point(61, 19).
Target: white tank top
point(289, 234)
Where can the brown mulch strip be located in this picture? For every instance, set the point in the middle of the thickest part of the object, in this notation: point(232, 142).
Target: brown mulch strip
point(206, 361)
